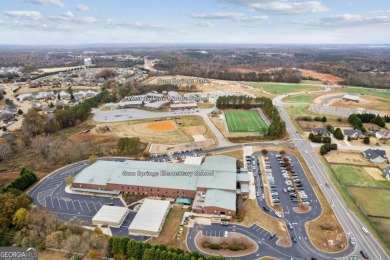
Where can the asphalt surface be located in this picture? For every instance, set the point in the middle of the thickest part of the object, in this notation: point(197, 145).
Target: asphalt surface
point(50, 194)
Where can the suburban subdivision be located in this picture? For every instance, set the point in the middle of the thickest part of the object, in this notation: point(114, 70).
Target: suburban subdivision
point(193, 151)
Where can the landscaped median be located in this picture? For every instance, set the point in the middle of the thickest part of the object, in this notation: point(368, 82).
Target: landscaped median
point(234, 245)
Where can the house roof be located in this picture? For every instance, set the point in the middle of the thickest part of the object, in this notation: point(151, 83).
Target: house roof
point(373, 154)
point(322, 131)
point(349, 132)
point(386, 171)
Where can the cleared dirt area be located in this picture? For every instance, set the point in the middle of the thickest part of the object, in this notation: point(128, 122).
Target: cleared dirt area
point(366, 101)
point(141, 129)
point(232, 239)
point(194, 130)
point(329, 78)
point(161, 126)
point(307, 126)
point(349, 157)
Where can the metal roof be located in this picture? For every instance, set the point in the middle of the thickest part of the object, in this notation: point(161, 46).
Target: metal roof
point(220, 198)
point(111, 214)
point(150, 216)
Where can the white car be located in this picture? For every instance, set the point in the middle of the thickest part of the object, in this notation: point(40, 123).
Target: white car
point(365, 230)
point(226, 234)
point(278, 214)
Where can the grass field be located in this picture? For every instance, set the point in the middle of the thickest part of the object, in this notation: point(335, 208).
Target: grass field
point(300, 99)
point(245, 121)
point(383, 225)
point(375, 202)
point(350, 175)
point(366, 91)
point(278, 89)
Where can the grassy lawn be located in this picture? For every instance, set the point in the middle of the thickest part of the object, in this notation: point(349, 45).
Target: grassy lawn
point(351, 175)
point(367, 91)
point(383, 225)
point(296, 111)
point(245, 121)
point(375, 202)
point(278, 89)
point(300, 99)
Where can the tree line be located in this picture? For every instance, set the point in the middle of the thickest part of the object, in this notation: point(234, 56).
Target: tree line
point(126, 248)
point(25, 180)
point(276, 129)
point(357, 120)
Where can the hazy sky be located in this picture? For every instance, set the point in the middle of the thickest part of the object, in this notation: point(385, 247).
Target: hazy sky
point(195, 21)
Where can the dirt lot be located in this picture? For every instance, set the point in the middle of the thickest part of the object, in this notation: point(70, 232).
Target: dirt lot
point(349, 157)
point(307, 126)
point(194, 130)
point(141, 129)
point(170, 228)
point(366, 101)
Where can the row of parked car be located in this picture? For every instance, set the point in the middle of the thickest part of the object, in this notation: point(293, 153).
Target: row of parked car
point(271, 181)
point(294, 184)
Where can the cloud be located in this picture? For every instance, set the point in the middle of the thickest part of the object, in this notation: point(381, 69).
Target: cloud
point(135, 25)
point(282, 6)
point(237, 17)
point(32, 15)
point(83, 8)
point(38, 26)
point(88, 20)
point(68, 14)
point(204, 24)
point(347, 20)
point(57, 3)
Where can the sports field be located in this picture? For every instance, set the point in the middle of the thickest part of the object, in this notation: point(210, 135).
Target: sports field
point(245, 121)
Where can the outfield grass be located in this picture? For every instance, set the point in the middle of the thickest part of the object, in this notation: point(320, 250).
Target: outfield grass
point(367, 91)
point(351, 175)
point(278, 89)
point(245, 121)
point(300, 99)
point(375, 202)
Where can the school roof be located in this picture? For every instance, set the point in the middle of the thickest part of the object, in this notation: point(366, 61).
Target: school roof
point(221, 199)
point(150, 216)
point(110, 214)
point(183, 105)
point(194, 160)
point(216, 172)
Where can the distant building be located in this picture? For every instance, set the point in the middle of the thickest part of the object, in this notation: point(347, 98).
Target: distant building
point(87, 62)
point(382, 134)
point(376, 156)
point(352, 98)
point(183, 106)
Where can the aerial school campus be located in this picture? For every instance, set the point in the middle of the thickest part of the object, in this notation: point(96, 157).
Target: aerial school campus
point(237, 179)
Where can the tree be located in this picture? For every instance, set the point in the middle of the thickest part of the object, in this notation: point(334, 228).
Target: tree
point(366, 140)
point(19, 218)
point(5, 151)
point(330, 128)
point(69, 180)
point(282, 152)
point(324, 119)
point(54, 240)
point(338, 134)
point(33, 123)
point(58, 96)
point(4, 128)
point(264, 152)
point(20, 112)
point(92, 159)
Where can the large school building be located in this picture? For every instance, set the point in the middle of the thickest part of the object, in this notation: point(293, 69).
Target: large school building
point(213, 185)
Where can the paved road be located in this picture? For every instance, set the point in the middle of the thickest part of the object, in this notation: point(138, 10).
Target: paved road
point(348, 220)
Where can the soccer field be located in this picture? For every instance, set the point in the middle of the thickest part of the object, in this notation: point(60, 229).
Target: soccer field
point(245, 121)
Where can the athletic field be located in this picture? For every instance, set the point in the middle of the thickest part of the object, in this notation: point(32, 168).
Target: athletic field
point(245, 121)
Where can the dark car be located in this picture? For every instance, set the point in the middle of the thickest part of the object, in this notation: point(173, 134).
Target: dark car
point(266, 209)
point(294, 239)
point(272, 236)
point(364, 254)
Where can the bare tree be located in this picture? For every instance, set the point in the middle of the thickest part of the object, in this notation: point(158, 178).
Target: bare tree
point(41, 144)
point(5, 151)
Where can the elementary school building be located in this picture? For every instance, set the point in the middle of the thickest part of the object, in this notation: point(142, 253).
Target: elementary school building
point(213, 185)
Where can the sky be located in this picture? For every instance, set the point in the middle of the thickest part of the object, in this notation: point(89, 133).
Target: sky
point(59, 22)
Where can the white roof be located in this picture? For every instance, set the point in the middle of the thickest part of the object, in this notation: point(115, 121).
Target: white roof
point(157, 104)
point(150, 216)
point(193, 160)
point(351, 97)
point(184, 105)
point(110, 214)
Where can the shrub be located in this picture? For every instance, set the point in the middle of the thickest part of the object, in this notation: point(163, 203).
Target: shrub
point(215, 246)
point(338, 134)
point(234, 248)
point(366, 140)
point(318, 119)
point(324, 119)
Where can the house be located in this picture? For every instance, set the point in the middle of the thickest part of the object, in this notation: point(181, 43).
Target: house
point(321, 132)
point(352, 98)
point(386, 173)
point(353, 134)
point(375, 156)
point(382, 134)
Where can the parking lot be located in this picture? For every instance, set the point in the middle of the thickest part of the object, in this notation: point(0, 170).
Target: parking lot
point(179, 155)
point(50, 194)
